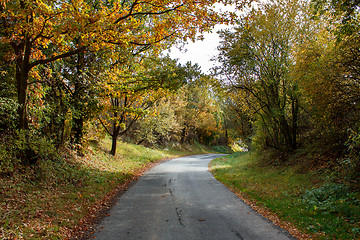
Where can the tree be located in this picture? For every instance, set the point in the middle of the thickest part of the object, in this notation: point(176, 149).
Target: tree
point(133, 88)
point(255, 59)
point(327, 73)
point(160, 127)
point(238, 117)
point(199, 116)
point(40, 32)
point(189, 113)
point(343, 14)
point(81, 75)
point(8, 104)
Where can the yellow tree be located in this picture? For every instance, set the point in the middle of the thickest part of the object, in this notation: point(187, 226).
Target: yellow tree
point(132, 88)
point(42, 31)
point(199, 115)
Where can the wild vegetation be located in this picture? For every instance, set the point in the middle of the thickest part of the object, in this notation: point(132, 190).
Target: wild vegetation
point(62, 197)
point(77, 73)
point(291, 72)
point(76, 78)
point(305, 203)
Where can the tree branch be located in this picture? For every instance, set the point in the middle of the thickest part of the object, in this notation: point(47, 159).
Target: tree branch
point(64, 55)
point(131, 14)
point(106, 129)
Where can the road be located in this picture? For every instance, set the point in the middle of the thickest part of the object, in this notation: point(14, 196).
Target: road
point(181, 200)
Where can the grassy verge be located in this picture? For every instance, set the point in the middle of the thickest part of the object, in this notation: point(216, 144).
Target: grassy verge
point(306, 205)
point(55, 199)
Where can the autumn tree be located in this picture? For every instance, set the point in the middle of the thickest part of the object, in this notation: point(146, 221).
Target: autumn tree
point(200, 116)
point(343, 14)
point(40, 32)
point(327, 73)
point(133, 88)
point(237, 116)
point(8, 103)
point(189, 114)
point(255, 59)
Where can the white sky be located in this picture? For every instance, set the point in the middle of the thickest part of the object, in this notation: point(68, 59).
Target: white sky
point(200, 52)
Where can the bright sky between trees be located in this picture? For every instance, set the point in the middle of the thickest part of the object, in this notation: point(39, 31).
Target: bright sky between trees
point(201, 52)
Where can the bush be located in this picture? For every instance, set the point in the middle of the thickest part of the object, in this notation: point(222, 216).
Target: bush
point(8, 113)
point(30, 147)
point(7, 160)
point(353, 160)
point(222, 149)
point(332, 198)
point(25, 147)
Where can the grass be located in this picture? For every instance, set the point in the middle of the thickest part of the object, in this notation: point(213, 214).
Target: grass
point(303, 203)
point(55, 199)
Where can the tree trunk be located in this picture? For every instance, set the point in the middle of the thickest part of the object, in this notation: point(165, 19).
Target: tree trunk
point(22, 51)
point(115, 135)
point(77, 129)
point(226, 137)
point(286, 132)
point(114, 144)
point(184, 134)
point(21, 84)
point(295, 110)
point(78, 118)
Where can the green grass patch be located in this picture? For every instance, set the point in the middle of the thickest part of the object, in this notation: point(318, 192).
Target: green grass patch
point(52, 199)
point(320, 209)
point(222, 149)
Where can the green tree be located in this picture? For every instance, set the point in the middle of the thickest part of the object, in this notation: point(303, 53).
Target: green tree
point(160, 127)
point(327, 73)
point(343, 14)
point(255, 59)
point(200, 115)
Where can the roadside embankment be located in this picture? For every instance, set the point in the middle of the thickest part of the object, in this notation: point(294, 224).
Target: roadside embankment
point(307, 204)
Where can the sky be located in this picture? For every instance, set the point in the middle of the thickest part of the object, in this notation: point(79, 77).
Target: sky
point(199, 52)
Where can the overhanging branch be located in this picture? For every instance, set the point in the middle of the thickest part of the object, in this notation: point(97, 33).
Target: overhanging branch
point(64, 55)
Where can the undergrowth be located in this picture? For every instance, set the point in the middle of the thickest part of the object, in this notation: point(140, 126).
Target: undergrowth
point(309, 205)
point(53, 198)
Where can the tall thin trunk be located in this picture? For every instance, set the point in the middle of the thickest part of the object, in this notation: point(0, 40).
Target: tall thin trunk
point(295, 110)
point(116, 129)
point(21, 81)
point(78, 118)
point(22, 74)
point(114, 143)
point(78, 129)
point(226, 137)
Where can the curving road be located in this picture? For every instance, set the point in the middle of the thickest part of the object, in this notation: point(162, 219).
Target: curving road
point(181, 200)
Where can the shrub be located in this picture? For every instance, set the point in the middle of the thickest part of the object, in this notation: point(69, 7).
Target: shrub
point(8, 114)
point(30, 147)
point(332, 198)
point(24, 147)
point(7, 160)
point(353, 160)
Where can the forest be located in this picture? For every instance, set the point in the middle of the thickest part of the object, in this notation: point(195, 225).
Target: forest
point(76, 73)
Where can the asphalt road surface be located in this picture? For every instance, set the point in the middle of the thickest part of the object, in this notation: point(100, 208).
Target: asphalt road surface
point(181, 200)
